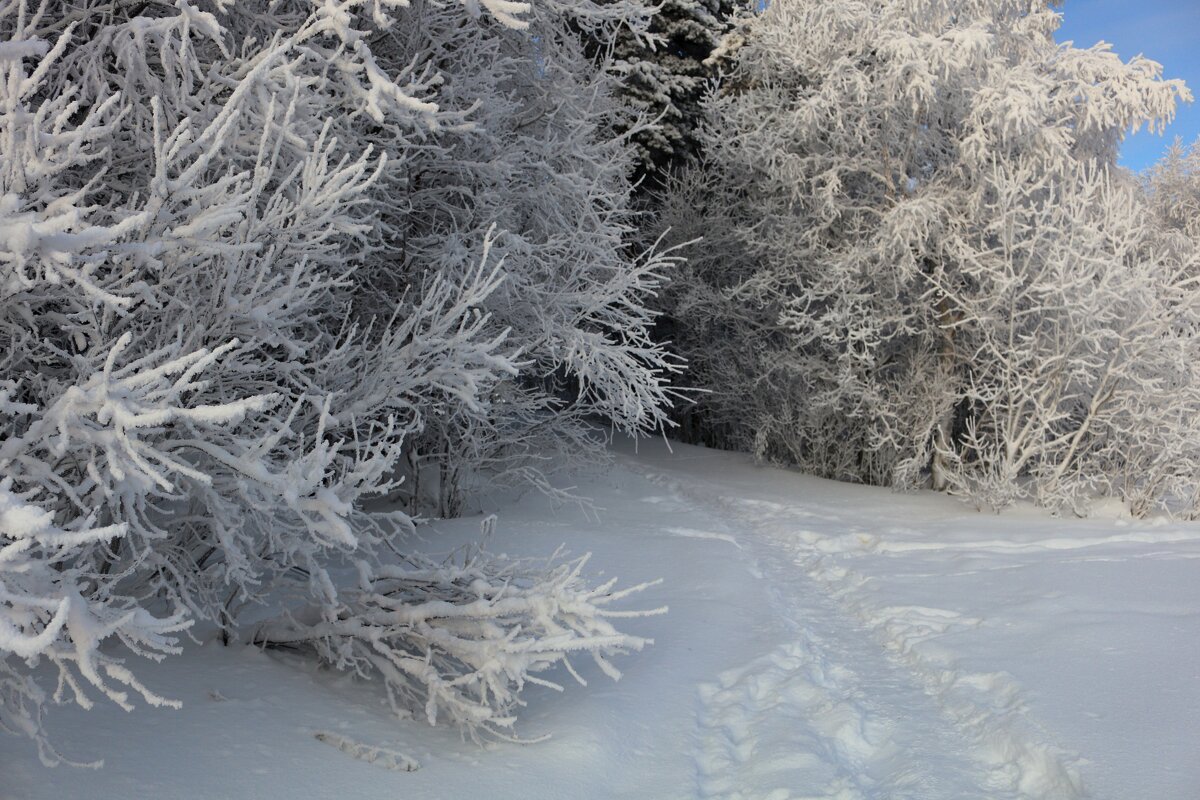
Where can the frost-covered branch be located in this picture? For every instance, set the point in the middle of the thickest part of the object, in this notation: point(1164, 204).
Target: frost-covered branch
point(457, 641)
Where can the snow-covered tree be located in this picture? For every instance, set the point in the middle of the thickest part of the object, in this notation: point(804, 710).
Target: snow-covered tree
point(541, 163)
point(1082, 370)
point(914, 203)
point(212, 349)
point(1174, 188)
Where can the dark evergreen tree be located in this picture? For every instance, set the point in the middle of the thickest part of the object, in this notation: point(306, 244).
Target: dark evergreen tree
point(665, 76)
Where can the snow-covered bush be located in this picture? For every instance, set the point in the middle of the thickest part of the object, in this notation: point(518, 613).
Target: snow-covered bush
point(936, 273)
point(212, 348)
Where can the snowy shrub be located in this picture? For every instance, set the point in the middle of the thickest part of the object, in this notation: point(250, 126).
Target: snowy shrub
point(213, 347)
point(931, 270)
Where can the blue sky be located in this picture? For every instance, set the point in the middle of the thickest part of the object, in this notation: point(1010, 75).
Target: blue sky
point(1167, 31)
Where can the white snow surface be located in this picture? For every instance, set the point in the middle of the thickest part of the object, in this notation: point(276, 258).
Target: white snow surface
point(824, 641)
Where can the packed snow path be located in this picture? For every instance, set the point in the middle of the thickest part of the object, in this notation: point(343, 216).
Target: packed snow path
point(910, 619)
point(824, 641)
point(845, 708)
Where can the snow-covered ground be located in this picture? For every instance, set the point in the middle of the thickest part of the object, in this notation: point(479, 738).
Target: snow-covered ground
point(823, 641)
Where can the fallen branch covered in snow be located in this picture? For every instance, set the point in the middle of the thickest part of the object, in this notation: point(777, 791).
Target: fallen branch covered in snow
point(459, 640)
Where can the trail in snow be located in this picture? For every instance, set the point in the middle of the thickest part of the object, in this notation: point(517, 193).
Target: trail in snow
point(850, 708)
